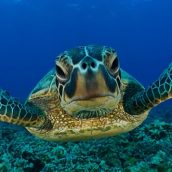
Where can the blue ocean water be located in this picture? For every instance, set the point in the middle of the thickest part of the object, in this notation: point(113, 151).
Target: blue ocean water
point(34, 32)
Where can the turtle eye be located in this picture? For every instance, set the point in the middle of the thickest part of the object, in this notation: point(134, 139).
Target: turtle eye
point(61, 74)
point(114, 65)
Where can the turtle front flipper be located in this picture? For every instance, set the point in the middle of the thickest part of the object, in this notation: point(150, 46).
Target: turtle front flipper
point(159, 91)
point(12, 111)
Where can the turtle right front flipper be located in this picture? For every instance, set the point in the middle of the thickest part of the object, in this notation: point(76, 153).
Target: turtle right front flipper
point(12, 111)
point(159, 91)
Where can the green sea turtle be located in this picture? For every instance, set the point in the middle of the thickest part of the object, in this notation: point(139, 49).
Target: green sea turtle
point(87, 95)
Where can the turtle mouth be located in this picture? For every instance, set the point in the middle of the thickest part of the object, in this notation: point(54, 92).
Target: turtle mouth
point(91, 106)
point(92, 98)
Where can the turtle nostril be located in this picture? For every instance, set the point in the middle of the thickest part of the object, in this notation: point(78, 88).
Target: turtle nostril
point(93, 65)
point(84, 65)
point(88, 64)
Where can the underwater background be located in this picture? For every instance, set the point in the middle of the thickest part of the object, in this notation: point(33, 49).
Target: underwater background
point(34, 32)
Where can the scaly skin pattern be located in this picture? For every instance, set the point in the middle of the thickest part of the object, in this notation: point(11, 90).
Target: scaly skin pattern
point(159, 91)
point(14, 112)
point(69, 128)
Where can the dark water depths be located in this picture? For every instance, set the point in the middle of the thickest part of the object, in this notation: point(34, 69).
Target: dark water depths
point(33, 32)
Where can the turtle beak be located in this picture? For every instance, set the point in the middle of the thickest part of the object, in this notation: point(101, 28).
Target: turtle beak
point(90, 80)
point(91, 84)
point(93, 79)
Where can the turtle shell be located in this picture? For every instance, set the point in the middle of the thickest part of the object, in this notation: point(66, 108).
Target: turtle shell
point(67, 128)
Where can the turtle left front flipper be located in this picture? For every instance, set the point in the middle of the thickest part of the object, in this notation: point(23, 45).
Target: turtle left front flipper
point(159, 91)
point(12, 111)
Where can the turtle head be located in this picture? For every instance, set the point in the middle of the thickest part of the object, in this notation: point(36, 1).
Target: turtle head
point(88, 81)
